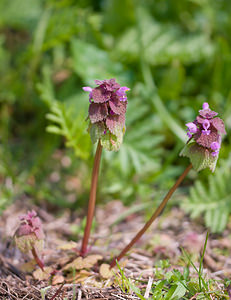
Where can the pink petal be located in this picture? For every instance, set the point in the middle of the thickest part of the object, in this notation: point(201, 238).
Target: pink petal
point(87, 89)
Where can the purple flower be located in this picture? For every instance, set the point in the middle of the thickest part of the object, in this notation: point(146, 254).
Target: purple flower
point(204, 139)
point(30, 223)
point(216, 147)
point(206, 112)
point(206, 126)
point(88, 89)
point(209, 128)
point(121, 92)
point(108, 105)
point(29, 235)
point(192, 128)
point(205, 106)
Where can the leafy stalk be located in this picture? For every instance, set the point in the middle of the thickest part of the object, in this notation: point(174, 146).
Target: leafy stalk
point(153, 217)
point(92, 198)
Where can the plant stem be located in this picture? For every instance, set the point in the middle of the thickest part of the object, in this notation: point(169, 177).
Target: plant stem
point(37, 259)
point(153, 217)
point(92, 198)
point(57, 292)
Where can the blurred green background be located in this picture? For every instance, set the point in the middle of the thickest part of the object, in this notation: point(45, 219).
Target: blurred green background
point(174, 55)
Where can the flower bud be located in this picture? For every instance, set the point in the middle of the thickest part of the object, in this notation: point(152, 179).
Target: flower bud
point(29, 234)
point(108, 105)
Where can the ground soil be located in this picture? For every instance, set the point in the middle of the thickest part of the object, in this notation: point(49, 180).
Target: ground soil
point(164, 240)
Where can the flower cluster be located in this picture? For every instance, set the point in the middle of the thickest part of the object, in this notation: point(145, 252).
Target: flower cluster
point(29, 233)
point(204, 139)
point(108, 105)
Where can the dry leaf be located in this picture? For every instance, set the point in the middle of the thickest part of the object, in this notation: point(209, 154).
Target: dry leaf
point(82, 276)
point(75, 264)
point(57, 279)
point(83, 263)
point(68, 246)
point(28, 266)
point(42, 275)
point(79, 277)
point(62, 261)
point(105, 271)
point(90, 260)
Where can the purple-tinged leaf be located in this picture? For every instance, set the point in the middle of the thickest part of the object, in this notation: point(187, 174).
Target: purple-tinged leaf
point(206, 140)
point(109, 85)
point(207, 113)
point(117, 106)
point(97, 112)
point(115, 123)
point(219, 125)
point(99, 95)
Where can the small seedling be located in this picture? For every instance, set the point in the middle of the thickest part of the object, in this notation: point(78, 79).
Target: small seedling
point(43, 292)
point(202, 149)
point(30, 237)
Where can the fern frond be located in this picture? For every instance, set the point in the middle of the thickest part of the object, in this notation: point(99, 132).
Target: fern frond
point(162, 43)
point(213, 200)
point(71, 127)
point(64, 122)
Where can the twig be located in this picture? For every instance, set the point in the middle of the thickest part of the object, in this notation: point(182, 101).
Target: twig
point(148, 288)
point(57, 292)
point(118, 296)
point(8, 292)
point(79, 294)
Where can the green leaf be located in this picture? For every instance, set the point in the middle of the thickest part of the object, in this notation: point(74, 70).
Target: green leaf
point(54, 129)
point(111, 142)
point(176, 292)
point(93, 63)
point(20, 13)
point(162, 43)
point(179, 291)
point(96, 131)
point(193, 287)
point(199, 156)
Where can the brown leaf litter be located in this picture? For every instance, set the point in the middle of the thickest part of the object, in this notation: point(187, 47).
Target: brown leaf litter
point(68, 275)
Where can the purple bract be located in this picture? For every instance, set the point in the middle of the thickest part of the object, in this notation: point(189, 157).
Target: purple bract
point(206, 130)
point(30, 223)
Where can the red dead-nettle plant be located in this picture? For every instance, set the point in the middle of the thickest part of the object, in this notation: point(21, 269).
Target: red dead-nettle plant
point(202, 149)
point(108, 104)
point(30, 237)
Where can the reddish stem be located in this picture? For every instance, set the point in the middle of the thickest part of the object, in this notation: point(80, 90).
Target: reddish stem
point(37, 259)
point(153, 217)
point(57, 292)
point(92, 199)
